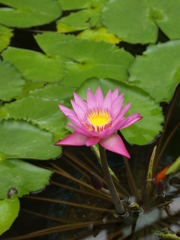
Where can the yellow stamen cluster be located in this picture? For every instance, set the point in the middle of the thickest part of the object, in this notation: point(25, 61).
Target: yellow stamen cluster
point(99, 119)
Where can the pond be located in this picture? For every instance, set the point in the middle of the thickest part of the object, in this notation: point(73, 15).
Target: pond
point(70, 208)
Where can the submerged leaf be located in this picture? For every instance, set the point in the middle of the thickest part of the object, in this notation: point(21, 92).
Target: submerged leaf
point(22, 176)
point(9, 210)
point(99, 34)
point(174, 167)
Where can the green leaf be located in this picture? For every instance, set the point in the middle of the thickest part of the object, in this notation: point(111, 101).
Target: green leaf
point(35, 66)
point(22, 176)
point(9, 210)
point(166, 15)
point(11, 84)
point(46, 40)
point(43, 112)
point(174, 167)
point(5, 36)
point(76, 4)
point(84, 19)
point(85, 59)
point(98, 34)
point(20, 139)
point(143, 131)
point(130, 21)
point(53, 92)
point(157, 71)
point(29, 13)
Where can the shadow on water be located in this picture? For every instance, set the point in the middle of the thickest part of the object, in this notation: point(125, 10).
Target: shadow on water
point(70, 208)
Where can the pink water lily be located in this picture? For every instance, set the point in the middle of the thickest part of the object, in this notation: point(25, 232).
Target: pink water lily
point(97, 121)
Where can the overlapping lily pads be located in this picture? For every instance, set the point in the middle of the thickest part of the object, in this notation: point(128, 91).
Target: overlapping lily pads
point(138, 22)
point(9, 210)
point(11, 83)
point(157, 71)
point(21, 176)
point(143, 131)
point(20, 139)
point(84, 59)
point(29, 13)
point(5, 36)
point(35, 66)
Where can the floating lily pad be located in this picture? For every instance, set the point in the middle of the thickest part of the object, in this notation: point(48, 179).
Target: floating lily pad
point(35, 66)
point(81, 20)
point(157, 71)
point(29, 13)
point(85, 59)
point(76, 4)
point(46, 40)
point(138, 23)
point(5, 36)
point(53, 92)
point(130, 21)
point(43, 112)
point(22, 176)
point(98, 34)
point(141, 132)
point(11, 84)
point(20, 139)
point(9, 210)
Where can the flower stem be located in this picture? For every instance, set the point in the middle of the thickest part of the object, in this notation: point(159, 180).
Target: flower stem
point(115, 197)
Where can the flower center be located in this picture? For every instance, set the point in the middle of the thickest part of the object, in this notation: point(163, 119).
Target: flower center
point(99, 119)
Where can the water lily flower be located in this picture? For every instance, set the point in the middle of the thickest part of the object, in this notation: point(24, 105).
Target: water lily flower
point(97, 121)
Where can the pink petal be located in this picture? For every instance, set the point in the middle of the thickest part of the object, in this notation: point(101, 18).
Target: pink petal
point(75, 139)
point(99, 97)
point(80, 130)
point(70, 114)
point(116, 105)
point(91, 102)
point(92, 141)
point(115, 144)
point(131, 119)
point(124, 110)
point(80, 102)
point(107, 101)
point(78, 110)
point(115, 94)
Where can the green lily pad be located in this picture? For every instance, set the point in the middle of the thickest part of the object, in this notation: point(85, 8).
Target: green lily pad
point(84, 19)
point(43, 112)
point(157, 71)
point(138, 23)
point(143, 131)
point(130, 21)
point(29, 13)
point(22, 176)
point(53, 92)
point(76, 4)
point(35, 66)
point(20, 139)
point(5, 36)
point(46, 40)
point(99, 34)
point(85, 59)
point(174, 167)
point(9, 210)
point(11, 84)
